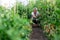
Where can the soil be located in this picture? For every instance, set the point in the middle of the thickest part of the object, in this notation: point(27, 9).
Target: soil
point(37, 34)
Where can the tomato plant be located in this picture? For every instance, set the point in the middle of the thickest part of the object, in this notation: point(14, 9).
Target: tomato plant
point(12, 27)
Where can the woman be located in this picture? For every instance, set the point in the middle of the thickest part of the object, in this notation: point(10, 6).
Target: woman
point(35, 15)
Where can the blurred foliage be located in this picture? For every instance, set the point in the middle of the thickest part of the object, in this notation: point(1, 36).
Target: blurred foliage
point(17, 27)
point(12, 27)
point(49, 16)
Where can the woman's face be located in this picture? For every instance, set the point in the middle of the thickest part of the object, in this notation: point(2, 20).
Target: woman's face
point(35, 10)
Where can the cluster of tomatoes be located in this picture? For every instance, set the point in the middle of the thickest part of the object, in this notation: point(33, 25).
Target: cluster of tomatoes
point(50, 29)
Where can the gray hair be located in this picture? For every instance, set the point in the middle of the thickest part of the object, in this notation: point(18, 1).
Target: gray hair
point(35, 8)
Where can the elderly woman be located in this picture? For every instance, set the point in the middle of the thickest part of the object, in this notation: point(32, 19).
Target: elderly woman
point(35, 14)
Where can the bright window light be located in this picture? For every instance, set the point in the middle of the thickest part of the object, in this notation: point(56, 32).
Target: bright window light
point(11, 3)
point(7, 3)
point(24, 2)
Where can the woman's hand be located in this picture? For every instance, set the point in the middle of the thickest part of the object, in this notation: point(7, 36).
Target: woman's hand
point(34, 16)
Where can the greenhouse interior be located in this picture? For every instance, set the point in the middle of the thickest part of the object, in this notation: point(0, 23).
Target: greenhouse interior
point(29, 19)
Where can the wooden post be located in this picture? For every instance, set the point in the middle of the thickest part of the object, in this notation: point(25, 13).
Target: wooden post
point(15, 7)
